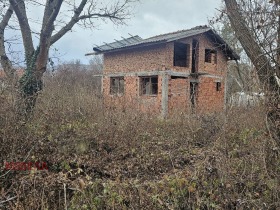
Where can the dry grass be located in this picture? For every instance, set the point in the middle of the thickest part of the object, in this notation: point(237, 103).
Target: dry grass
point(109, 159)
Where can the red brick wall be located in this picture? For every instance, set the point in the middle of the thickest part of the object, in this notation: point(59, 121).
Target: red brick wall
point(142, 59)
point(216, 69)
point(204, 43)
point(209, 99)
point(160, 57)
point(179, 95)
point(131, 97)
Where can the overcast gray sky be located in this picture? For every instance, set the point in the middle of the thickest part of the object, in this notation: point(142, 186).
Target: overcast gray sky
point(151, 17)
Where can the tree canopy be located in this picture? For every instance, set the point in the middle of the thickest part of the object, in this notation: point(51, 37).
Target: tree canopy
point(57, 18)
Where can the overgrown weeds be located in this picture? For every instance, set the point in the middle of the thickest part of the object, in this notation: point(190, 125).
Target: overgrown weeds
point(110, 159)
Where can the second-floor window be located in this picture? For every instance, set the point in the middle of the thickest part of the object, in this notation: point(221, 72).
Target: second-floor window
point(181, 54)
point(149, 85)
point(116, 85)
point(210, 56)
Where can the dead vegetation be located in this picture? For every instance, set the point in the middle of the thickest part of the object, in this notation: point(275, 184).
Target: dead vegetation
point(110, 159)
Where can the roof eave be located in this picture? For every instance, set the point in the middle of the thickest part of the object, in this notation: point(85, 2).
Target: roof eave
point(194, 34)
point(229, 52)
point(227, 49)
point(97, 52)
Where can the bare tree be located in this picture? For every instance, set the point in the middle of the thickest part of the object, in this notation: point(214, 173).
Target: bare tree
point(257, 25)
point(96, 64)
point(56, 22)
point(241, 75)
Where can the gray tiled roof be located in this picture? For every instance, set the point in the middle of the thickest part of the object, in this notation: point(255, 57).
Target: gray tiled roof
point(177, 35)
point(118, 44)
point(136, 41)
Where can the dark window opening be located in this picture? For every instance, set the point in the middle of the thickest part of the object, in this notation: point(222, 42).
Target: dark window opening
point(181, 54)
point(195, 46)
point(210, 56)
point(218, 86)
point(177, 77)
point(193, 93)
point(149, 85)
point(116, 85)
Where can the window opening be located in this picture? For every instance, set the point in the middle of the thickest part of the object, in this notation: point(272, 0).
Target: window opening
point(116, 85)
point(218, 86)
point(210, 56)
point(195, 46)
point(181, 54)
point(149, 85)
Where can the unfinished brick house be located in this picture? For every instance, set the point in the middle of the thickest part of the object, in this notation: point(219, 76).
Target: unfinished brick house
point(175, 72)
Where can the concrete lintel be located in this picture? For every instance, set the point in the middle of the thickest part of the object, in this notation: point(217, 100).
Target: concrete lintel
point(148, 73)
point(156, 73)
point(178, 74)
point(212, 76)
point(136, 74)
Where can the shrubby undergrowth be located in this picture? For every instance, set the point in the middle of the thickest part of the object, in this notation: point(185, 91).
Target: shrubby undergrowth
point(113, 159)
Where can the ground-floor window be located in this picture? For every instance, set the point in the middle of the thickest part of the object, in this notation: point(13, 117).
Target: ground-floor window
point(149, 85)
point(116, 85)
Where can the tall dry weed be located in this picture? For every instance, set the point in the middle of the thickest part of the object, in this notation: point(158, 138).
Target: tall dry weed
point(113, 159)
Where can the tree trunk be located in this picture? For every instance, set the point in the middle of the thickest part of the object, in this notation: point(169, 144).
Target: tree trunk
point(29, 87)
point(36, 60)
point(266, 72)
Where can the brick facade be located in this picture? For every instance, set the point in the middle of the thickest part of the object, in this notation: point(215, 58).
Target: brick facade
point(204, 82)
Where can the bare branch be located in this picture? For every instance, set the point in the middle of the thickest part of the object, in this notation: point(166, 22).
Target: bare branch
point(6, 18)
point(70, 24)
point(36, 60)
point(5, 61)
point(9, 199)
point(20, 10)
point(51, 11)
point(117, 13)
